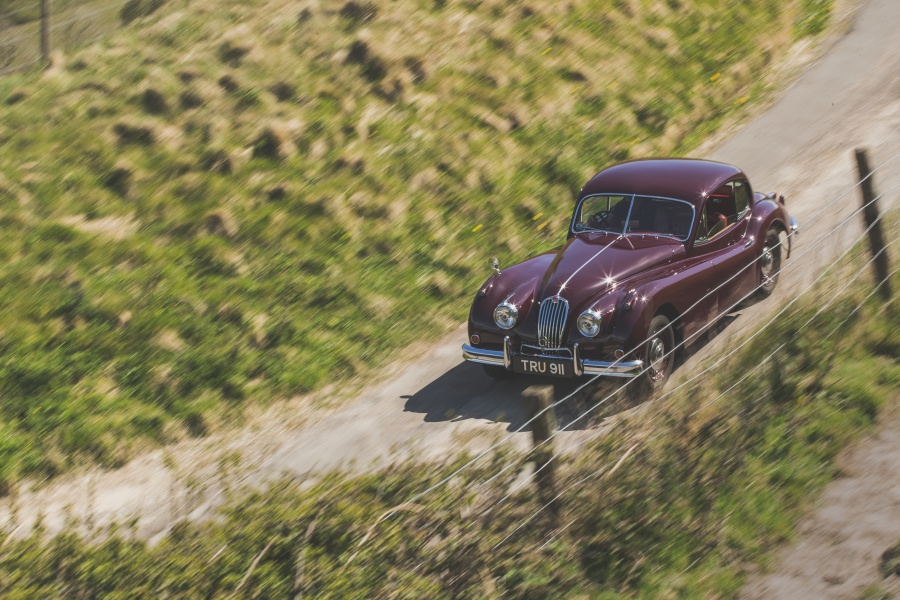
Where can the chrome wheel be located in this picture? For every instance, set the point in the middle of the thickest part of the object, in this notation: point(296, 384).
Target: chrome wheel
point(655, 356)
point(659, 356)
point(770, 262)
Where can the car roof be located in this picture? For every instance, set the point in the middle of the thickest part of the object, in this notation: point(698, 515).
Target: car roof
point(681, 178)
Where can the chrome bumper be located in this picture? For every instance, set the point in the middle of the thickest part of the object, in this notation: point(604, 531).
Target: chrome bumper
point(503, 358)
point(793, 233)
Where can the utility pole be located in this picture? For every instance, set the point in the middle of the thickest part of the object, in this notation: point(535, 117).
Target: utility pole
point(539, 407)
point(45, 32)
point(873, 225)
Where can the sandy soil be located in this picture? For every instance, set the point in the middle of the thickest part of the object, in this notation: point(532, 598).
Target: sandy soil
point(838, 548)
point(434, 403)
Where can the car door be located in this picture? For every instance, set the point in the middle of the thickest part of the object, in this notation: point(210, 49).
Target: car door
point(735, 252)
point(705, 276)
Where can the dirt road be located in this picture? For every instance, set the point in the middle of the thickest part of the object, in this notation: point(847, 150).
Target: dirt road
point(801, 147)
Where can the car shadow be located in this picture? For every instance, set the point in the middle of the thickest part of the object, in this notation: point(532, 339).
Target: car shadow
point(467, 392)
point(718, 329)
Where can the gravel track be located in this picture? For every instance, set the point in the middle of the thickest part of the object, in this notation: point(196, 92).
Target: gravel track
point(432, 405)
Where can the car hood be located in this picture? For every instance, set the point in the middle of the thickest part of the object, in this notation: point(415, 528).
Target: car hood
point(592, 263)
point(582, 271)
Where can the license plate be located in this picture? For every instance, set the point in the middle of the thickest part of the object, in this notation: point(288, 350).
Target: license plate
point(543, 366)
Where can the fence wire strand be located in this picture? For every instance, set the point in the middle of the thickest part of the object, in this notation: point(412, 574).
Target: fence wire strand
point(553, 405)
point(19, 10)
point(599, 472)
point(592, 380)
point(721, 359)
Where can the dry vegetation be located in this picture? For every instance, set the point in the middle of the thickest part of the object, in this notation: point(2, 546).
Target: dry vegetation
point(228, 202)
point(707, 483)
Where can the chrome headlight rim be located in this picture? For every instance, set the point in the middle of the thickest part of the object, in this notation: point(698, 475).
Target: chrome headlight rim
point(589, 323)
point(506, 315)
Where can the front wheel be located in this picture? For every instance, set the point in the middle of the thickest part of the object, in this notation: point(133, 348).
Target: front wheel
point(770, 263)
point(659, 352)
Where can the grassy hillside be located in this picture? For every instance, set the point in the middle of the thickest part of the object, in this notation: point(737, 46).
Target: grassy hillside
point(707, 483)
point(228, 202)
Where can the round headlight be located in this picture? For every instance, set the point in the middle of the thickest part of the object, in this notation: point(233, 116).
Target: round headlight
point(505, 315)
point(589, 323)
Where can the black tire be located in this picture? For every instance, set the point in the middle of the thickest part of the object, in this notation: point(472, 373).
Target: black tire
point(769, 263)
point(497, 372)
point(658, 353)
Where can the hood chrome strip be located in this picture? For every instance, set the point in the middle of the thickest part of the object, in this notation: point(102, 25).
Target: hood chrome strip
point(599, 252)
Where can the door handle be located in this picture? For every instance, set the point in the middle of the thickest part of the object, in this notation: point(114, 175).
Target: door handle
point(748, 243)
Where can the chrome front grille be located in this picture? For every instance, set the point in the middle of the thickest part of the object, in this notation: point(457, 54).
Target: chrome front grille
point(529, 350)
point(552, 322)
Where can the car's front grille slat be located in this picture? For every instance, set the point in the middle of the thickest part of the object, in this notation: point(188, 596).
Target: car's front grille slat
point(552, 321)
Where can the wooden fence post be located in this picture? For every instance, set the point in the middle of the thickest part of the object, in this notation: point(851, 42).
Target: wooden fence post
point(873, 223)
point(45, 31)
point(538, 404)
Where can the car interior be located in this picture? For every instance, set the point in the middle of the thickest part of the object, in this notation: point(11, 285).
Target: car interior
point(663, 217)
point(724, 207)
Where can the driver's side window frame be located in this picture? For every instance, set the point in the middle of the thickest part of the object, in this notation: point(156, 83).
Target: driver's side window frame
point(702, 236)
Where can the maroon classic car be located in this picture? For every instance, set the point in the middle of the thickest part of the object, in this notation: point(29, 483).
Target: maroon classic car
point(657, 250)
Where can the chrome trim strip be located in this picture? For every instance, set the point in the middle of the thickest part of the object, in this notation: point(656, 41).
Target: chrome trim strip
point(793, 232)
point(551, 325)
point(576, 359)
point(613, 369)
point(484, 356)
point(588, 261)
point(538, 351)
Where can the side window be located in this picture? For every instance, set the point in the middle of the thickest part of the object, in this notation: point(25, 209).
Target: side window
point(721, 203)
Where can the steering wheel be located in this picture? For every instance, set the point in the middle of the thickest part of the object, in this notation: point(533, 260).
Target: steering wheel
point(600, 220)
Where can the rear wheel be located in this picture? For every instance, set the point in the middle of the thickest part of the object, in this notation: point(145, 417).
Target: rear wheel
point(659, 352)
point(770, 262)
point(497, 372)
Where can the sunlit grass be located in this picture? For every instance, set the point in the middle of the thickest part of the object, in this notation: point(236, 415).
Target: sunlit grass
point(707, 485)
point(235, 202)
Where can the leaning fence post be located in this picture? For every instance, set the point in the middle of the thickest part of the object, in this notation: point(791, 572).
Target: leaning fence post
point(45, 31)
point(539, 406)
point(873, 224)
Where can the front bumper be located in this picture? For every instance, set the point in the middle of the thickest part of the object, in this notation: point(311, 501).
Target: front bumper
point(583, 366)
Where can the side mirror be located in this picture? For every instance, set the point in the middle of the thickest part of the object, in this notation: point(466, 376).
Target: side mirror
point(494, 264)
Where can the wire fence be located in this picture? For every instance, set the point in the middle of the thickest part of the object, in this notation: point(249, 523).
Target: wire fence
point(765, 361)
point(30, 33)
point(807, 255)
point(78, 25)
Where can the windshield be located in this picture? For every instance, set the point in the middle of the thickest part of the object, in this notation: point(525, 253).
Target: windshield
point(645, 215)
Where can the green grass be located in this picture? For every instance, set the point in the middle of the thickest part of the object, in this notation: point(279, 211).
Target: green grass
point(814, 17)
point(717, 486)
point(229, 203)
